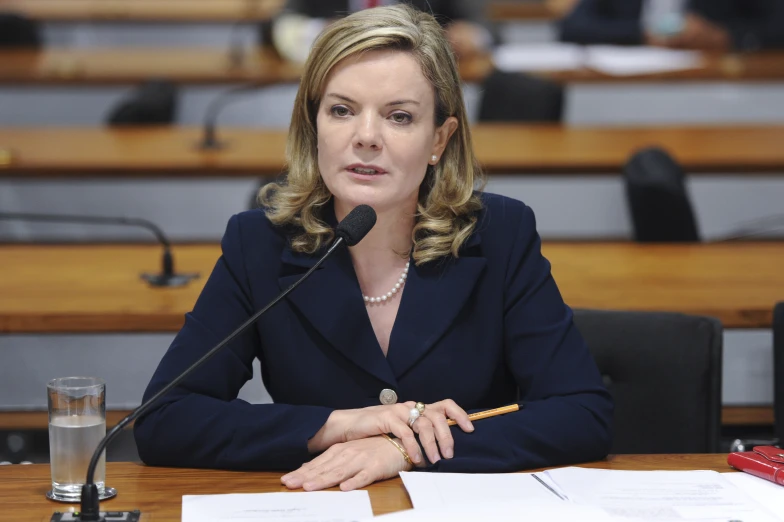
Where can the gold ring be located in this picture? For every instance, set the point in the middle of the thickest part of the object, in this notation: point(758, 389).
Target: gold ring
point(420, 406)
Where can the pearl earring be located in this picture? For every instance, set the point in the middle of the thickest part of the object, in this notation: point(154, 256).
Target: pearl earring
point(433, 158)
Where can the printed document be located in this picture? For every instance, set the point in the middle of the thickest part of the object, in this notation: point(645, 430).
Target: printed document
point(314, 506)
point(438, 490)
point(659, 495)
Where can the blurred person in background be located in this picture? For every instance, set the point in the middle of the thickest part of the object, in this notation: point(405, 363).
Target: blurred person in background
point(710, 25)
point(300, 21)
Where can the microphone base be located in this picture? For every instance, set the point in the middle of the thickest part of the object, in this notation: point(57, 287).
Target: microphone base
point(104, 516)
point(169, 280)
point(208, 144)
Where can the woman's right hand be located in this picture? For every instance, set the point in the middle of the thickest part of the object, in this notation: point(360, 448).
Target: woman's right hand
point(360, 423)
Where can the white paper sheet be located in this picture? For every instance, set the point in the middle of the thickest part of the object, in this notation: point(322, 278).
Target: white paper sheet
point(439, 490)
point(766, 493)
point(627, 61)
point(660, 495)
point(521, 511)
point(538, 57)
point(315, 506)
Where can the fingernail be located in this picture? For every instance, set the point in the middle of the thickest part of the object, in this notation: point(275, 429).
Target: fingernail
point(449, 453)
point(417, 458)
point(470, 427)
point(307, 486)
point(284, 478)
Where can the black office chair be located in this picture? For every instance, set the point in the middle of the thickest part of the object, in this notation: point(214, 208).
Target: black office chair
point(778, 372)
point(660, 207)
point(664, 373)
point(19, 31)
point(152, 103)
point(517, 97)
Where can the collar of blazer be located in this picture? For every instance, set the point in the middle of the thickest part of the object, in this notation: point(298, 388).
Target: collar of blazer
point(331, 301)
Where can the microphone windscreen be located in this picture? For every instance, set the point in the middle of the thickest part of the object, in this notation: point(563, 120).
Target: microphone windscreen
point(356, 224)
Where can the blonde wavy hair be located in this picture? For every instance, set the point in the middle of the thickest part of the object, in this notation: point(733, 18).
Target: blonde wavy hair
point(448, 201)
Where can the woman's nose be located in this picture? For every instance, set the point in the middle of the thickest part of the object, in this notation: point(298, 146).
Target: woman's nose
point(368, 132)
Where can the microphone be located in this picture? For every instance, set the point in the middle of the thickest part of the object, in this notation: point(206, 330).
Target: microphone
point(209, 140)
point(167, 277)
point(350, 231)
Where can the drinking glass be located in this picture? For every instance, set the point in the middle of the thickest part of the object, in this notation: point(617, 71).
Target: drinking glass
point(77, 423)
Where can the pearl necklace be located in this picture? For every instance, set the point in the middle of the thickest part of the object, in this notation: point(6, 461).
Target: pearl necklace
point(388, 295)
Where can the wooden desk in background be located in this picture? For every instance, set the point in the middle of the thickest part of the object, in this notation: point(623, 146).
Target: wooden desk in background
point(95, 289)
point(184, 11)
point(194, 65)
point(502, 149)
point(158, 491)
point(516, 11)
point(130, 65)
point(191, 11)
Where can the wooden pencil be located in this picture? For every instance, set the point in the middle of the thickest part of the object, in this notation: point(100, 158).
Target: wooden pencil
point(487, 413)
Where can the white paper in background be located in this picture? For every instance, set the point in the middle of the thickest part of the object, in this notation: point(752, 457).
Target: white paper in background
point(439, 490)
point(660, 495)
point(626, 61)
point(314, 506)
point(519, 57)
point(521, 511)
point(766, 493)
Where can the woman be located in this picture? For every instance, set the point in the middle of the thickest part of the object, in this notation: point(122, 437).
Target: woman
point(446, 304)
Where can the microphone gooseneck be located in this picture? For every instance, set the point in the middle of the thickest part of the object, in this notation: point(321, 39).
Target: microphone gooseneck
point(167, 277)
point(350, 231)
point(209, 139)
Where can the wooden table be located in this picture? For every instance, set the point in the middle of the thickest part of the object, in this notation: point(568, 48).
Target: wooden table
point(186, 11)
point(502, 149)
point(159, 491)
point(193, 65)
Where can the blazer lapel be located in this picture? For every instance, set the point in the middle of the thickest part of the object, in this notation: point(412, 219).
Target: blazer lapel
point(432, 298)
point(331, 301)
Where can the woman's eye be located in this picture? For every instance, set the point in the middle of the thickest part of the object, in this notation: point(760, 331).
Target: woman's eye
point(401, 117)
point(340, 110)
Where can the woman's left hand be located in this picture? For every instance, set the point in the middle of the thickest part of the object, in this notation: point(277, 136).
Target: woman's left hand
point(354, 464)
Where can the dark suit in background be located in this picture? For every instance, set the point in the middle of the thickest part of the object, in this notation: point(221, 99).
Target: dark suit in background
point(751, 24)
point(482, 329)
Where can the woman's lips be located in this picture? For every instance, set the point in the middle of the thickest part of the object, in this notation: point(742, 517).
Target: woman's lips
point(365, 172)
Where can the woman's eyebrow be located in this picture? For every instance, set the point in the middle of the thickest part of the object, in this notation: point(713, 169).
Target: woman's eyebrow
point(349, 100)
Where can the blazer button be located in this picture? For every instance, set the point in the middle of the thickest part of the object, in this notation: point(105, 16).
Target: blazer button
point(387, 396)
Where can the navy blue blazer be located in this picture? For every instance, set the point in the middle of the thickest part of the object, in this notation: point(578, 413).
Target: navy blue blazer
point(752, 24)
point(480, 329)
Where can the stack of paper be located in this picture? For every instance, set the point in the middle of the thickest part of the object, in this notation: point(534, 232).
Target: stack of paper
point(594, 494)
point(626, 61)
point(538, 57)
point(766, 493)
point(659, 495)
point(609, 59)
